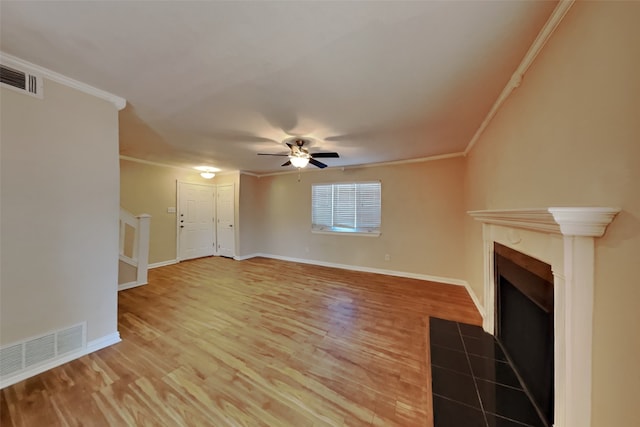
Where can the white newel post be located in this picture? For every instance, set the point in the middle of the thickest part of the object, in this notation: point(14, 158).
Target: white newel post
point(535, 232)
point(144, 222)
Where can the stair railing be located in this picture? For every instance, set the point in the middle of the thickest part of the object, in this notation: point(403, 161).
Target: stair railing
point(134, 245)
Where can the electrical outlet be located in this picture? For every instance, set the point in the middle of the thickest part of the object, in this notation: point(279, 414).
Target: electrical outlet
point(387, 257)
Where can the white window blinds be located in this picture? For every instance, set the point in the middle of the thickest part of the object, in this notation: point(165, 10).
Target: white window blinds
point(348, 207)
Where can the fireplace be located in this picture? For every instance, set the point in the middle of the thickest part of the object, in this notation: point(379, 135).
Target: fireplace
point(524, 322)
point(563, 238)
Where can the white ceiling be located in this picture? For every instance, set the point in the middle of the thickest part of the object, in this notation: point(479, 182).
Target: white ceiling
point(214, 83)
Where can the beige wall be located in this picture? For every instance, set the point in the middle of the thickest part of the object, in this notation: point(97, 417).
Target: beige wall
point(59, 213)
point(570, 135)
point(422, 218)
point(250, 210)
point(151, 189)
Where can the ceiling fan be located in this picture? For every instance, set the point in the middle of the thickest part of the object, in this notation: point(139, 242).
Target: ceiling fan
point(299, 155)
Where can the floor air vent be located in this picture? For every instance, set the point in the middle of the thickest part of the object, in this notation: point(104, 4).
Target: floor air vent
point(21, 81)
point(36, 351)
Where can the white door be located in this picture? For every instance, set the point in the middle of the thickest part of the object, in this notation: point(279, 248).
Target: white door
point(196, 220)
point(225, 226)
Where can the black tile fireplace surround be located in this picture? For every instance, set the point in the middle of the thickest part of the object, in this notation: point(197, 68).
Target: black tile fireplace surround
point(473, 383)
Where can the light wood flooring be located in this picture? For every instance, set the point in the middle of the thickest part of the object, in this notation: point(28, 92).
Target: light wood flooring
point(261, 342)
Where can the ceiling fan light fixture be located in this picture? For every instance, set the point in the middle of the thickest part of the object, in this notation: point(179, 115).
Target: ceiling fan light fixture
point(299, 156)
point(299, 161)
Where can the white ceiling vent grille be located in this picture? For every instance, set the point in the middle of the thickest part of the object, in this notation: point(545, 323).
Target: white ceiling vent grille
point(21, 80)
point(36, 351)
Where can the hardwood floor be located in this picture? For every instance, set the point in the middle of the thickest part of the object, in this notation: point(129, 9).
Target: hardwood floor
point(261, 342)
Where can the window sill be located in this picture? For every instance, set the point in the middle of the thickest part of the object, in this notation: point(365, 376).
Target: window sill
point(347, 233)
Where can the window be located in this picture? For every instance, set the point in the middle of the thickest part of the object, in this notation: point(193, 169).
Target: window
point(346, 208)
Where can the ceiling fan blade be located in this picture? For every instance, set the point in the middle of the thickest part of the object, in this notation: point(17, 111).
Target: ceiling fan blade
point(287, 163)
point(317, 163)
point(325, 155)
point(269, 154)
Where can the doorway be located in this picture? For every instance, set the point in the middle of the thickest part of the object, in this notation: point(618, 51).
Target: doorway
point(196, 219)
point(206, 220)
point(225, 225)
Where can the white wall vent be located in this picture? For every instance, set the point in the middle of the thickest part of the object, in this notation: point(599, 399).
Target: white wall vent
point(17, 357)
point(11, 359)
point(15, 78)
point(70, 339)
point(39, 350)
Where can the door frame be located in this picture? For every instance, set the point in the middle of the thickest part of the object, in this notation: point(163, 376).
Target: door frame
point(214, 187)
point(235, 222)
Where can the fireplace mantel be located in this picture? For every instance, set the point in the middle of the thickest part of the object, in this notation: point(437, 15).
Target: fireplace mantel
point(563, 237)
point(568, 221)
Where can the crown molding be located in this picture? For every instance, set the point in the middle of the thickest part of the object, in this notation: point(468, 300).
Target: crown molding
point(11, 60)
point(166, 165)
point(368, 165)
point(516, 79)
point(407, 161)
point(148, 162)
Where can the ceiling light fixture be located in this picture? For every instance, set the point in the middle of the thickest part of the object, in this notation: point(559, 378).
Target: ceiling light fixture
point(299, 161)
point(207, 172)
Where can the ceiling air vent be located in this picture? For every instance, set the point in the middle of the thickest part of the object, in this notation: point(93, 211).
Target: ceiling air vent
point(21, 81)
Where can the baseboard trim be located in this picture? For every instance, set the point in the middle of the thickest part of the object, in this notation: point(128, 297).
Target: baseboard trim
point(102, 342)
point(92, 346)
point(426, 277)
point(130, 285)
point(162, 263)
point(475, 299)
point(408, 275)
point(243, 257)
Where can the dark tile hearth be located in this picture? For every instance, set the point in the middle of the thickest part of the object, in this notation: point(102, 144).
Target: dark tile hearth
point(473, 383)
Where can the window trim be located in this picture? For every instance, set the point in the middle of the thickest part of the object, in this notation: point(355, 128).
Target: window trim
point(333, 231)
point(344, 231)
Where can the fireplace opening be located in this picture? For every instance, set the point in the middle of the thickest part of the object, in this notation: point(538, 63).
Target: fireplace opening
point(524, 323)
